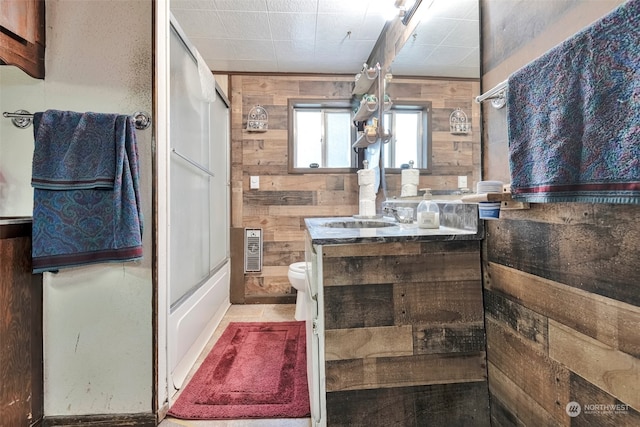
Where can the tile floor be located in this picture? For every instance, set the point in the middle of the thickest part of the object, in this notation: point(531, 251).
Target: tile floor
point(243, 313)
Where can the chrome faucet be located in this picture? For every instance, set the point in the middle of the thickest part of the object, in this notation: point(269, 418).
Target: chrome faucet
point(404, 217)
point(392, 211)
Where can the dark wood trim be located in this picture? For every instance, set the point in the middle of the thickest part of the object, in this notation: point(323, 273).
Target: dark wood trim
point(236, 284)
point(10, 231)
point(115, 420)
point(155, 309)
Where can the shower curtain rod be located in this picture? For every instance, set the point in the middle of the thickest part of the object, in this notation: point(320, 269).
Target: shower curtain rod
point(22, 119)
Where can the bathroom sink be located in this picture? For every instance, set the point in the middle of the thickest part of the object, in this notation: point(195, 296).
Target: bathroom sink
point(359, 224)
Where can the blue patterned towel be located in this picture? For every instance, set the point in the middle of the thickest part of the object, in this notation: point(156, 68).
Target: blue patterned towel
point(86, 190)
point(74, 150)
point(574, 116)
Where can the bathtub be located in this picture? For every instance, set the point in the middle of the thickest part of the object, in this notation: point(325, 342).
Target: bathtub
point(192, 323)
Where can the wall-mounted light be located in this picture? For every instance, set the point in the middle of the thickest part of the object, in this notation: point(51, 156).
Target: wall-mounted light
point(410, 8)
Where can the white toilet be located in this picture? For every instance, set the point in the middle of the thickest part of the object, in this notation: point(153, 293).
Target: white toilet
point(298, 279)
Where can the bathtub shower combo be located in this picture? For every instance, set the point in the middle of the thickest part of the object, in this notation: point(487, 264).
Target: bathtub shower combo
point(198, 294)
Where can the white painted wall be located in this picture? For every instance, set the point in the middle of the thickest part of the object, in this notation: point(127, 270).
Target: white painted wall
point(98, 319)
point(18, 91)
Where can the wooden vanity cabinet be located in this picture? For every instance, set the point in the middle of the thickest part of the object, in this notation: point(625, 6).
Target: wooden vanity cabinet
point(21, 373)
point(404, 334)
point(22, 35)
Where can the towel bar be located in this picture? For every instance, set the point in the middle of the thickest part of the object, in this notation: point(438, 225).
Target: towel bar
point(193, 163)
point(497, 95)
point(22, 119)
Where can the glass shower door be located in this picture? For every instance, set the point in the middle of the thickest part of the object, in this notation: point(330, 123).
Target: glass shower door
point(190, 187)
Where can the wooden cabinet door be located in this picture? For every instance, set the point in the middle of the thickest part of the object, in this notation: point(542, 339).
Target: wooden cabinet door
point(21, 392)
point(18, 17)
point(22, 35)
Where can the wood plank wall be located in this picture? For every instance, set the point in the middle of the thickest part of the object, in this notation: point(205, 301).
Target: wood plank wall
point(284, 200)
point(404, 335)
point(561, 281)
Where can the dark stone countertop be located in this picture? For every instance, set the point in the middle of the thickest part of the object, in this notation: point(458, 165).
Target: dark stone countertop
point(458, 227)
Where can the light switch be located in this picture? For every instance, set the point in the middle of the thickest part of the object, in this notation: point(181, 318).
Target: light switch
point(254, 182)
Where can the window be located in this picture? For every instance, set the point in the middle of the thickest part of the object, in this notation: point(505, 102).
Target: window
point(410, 127)
point(320, 136)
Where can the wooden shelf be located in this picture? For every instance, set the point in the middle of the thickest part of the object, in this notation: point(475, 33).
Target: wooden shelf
point(486, 197)
point(506, 202)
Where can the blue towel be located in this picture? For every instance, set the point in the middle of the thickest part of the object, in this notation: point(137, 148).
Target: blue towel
point(86, 190)
point(574, 116)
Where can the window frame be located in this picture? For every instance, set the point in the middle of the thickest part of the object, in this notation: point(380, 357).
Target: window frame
point(427, 131)
point(318, 104)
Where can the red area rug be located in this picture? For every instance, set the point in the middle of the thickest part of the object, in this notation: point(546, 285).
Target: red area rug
point(255, 370)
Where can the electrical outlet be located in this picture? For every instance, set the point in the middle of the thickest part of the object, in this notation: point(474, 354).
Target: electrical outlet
point(254, 182)
point(462, 182)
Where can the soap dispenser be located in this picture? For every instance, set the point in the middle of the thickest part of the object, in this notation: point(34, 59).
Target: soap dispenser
point(428, 213)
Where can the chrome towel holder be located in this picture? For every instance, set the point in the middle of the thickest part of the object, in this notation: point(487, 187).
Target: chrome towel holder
point(22, 119)
point(497, 95)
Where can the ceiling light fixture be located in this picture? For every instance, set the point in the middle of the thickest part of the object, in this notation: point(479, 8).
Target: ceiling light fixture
point(389, 11)
point(410, 11)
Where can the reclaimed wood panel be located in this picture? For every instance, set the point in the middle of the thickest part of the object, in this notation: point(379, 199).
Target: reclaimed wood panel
point(380, 249)
point(609, 321)
point(520, 403)
point(384, 372)
point(537, 375)
point(594, 258)
point(501, 415)
point(358, 307)
point(451, 405)
point(449, 338)
point(272, 223)
point(403, 269)
point(280, 198)
point(613, 371)
point(628, 336)
point(313, 211)
point(446, 300)
point(609, 412)
point(527, 323)
point(358, 343)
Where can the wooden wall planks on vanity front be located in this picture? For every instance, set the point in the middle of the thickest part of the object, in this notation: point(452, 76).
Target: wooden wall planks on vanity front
point(451, 405)
point(285, 199)
point(404, 321)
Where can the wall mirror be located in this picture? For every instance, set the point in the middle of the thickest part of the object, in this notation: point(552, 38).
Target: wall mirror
point(445, 42)
point(444, 45)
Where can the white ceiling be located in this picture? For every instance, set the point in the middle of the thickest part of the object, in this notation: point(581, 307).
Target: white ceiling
point(327, 36)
